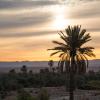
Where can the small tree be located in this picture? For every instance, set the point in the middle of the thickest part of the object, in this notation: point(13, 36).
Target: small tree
point(30, 72)
point(12, 71)
point(24, 69)
point(50, 63)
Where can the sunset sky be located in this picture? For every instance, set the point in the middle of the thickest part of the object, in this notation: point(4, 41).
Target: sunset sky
point(27, 27)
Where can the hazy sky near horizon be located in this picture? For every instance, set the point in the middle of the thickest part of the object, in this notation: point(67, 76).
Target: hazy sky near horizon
point(27, 27)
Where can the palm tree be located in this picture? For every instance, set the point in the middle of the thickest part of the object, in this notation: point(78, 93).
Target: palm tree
point(73, 52)
point(50, 63)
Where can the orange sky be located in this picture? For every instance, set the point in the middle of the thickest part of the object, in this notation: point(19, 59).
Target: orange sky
point(27, 28)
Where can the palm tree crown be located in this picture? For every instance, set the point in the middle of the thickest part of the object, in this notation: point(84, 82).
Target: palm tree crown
point(73, 47)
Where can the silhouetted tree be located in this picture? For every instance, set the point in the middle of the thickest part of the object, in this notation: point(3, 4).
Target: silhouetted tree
point(53, 69)
point(57, 69)
point(50, 63)
point(46, 70)
point(73, 51)
point(91, 72)
point(61, 65)
point(30, 72)
point(24, 69)
point(41, 70)
point(12, 71)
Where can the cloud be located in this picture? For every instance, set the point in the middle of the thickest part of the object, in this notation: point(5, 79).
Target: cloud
point(95, 41)
point(28, 34)
point(75, 2)
point(16, 4)
point(87, 15)
point(23, 20)
point(90, 9)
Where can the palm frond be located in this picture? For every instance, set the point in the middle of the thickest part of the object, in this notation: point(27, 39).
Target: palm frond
point(59, 48)
point(61, 55)
point(59, 43)
point(54, 53)
point(82, 33)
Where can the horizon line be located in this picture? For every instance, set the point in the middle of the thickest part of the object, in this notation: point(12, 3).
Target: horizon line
point(39, 60)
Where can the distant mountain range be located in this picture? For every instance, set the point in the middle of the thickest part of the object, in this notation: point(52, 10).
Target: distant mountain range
point(37, 65)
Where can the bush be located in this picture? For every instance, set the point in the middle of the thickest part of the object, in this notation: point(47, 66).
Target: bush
point(94, 83)
point(43, 94)
point(23, 95)
point(91, 85)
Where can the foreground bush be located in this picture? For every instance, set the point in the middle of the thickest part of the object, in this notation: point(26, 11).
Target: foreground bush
point(43, 94)
point(94, 84)
point(23, 95)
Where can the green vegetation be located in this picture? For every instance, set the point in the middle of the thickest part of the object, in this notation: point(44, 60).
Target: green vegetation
point(92, 85)
point(16, 81)
point(43, 95)
point(23, 95)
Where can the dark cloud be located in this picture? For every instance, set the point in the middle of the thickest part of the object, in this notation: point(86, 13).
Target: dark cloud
point(17, 4)
point(36, 19)
point(40, 33)
point(25, 20)
point(17, 35)
point(25, 3)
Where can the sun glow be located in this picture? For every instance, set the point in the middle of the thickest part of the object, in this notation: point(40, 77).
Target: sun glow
point(60, 18)
point(60, 22)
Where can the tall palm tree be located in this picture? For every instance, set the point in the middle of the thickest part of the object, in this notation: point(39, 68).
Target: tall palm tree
point(73, 52)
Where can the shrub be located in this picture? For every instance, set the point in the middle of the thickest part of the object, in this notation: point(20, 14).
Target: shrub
point(94, 83)
point(23, 95)
point(43, 94)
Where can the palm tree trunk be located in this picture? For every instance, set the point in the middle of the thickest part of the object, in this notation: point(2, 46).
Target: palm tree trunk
point(71, 89)
point(71, 82)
